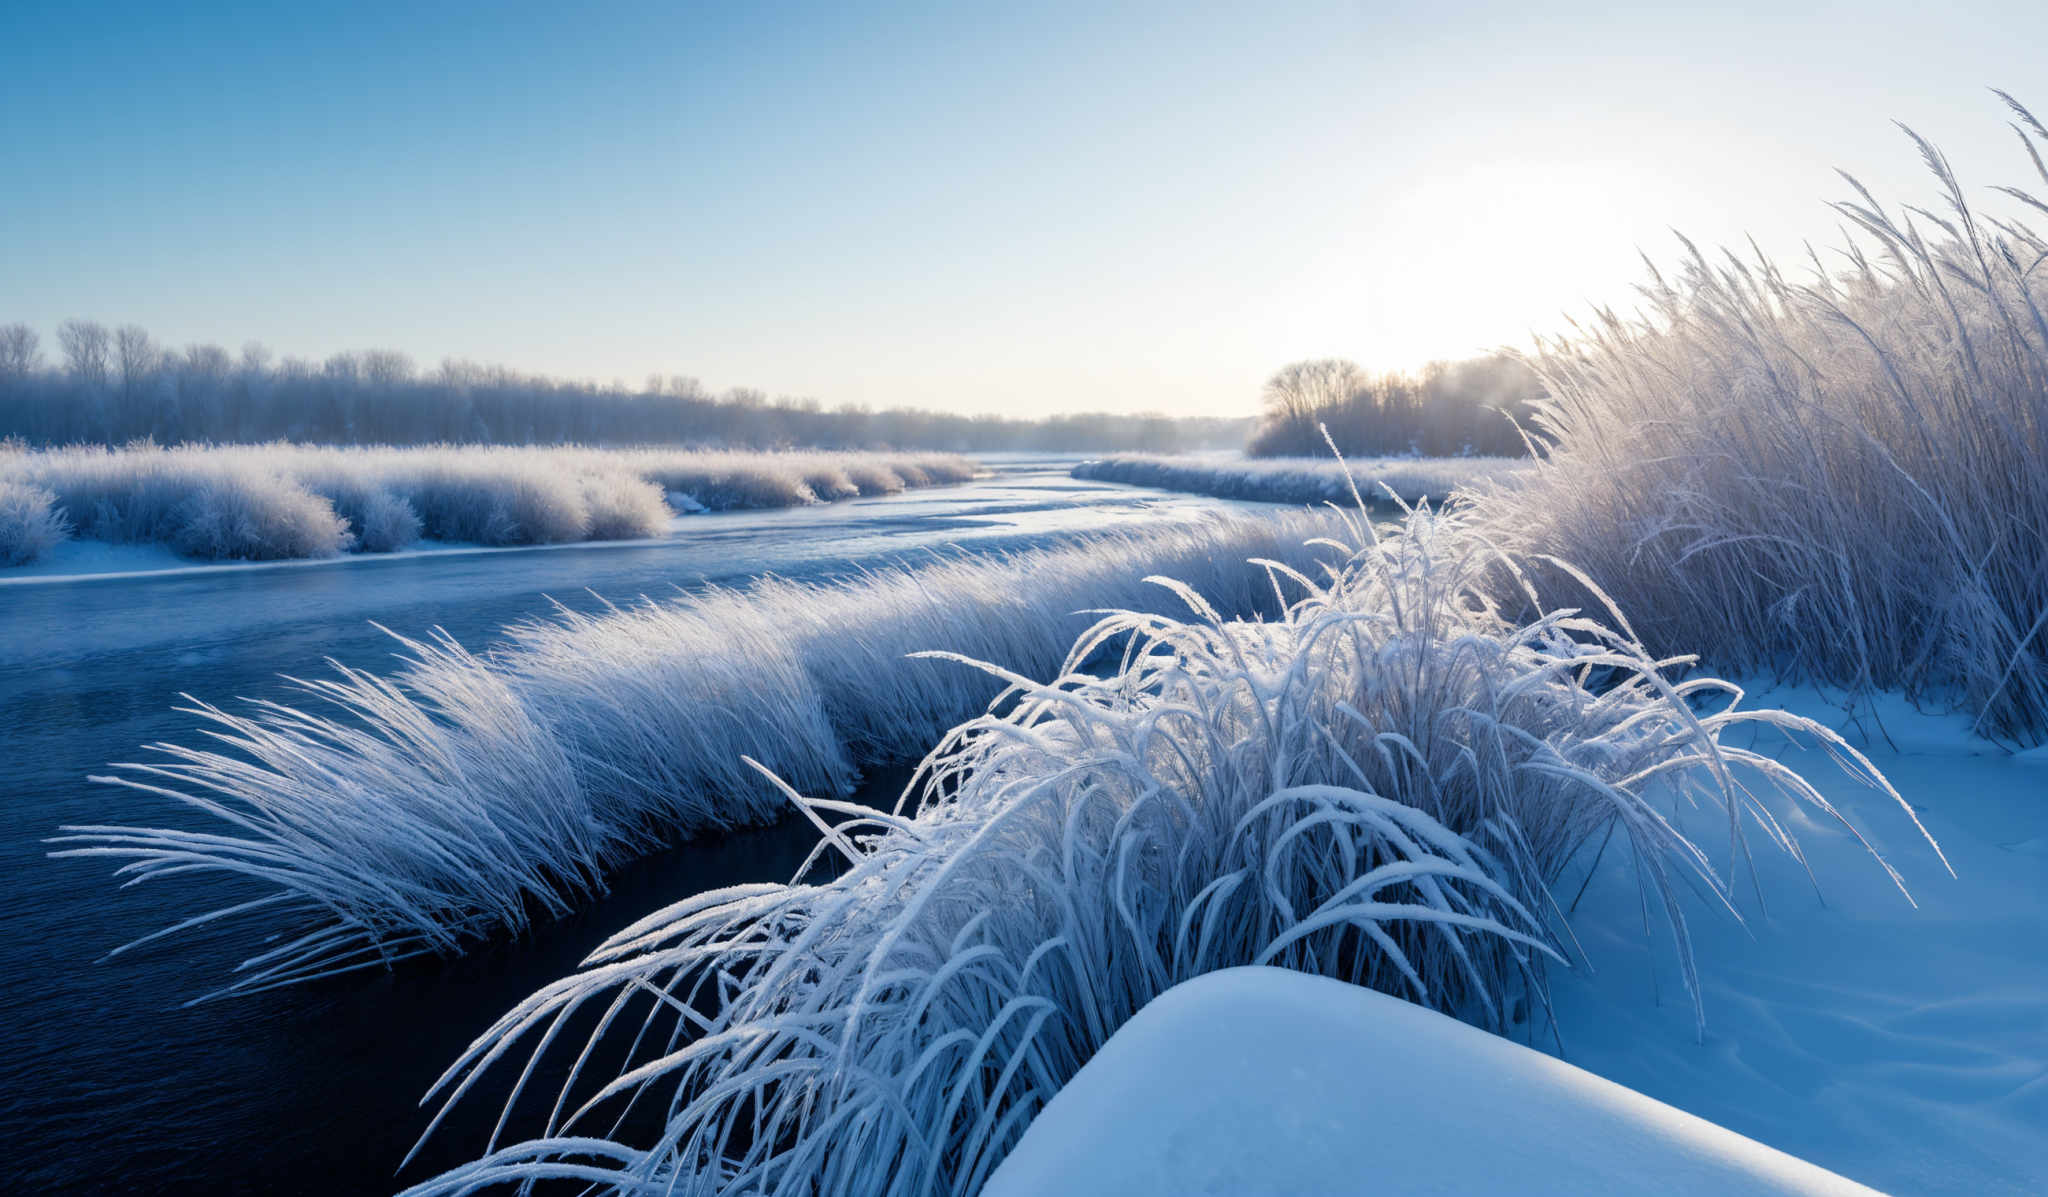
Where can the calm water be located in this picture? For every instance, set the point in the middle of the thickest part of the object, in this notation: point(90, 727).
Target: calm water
point(106, 1083)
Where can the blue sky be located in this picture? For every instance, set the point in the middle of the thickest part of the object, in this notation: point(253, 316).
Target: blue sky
point(1001, 208)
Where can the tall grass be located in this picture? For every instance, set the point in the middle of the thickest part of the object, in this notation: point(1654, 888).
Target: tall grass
point(265, 502)
point(462, 796)
point(1303, 479)
point(1380, 786)
point(1841, 478)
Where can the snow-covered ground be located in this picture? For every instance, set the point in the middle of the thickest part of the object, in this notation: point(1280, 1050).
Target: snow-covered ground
point(1905, 1048)
point(1265, 1081)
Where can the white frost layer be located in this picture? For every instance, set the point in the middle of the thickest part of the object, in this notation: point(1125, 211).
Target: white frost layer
point(1261, 1080)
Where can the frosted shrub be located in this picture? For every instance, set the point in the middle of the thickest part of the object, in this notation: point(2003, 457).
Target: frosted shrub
point(1380, 786)
point(384, 523)
point(1839, 479)
point(130, 497)
point(206, 505)
point(496, 502)
point(258, 518)
point(830, 483)
point(731, 489)
point(946, 469)
point(1304, 479)
point(464, 795)
point(622, 507)
point(30, 525)
point(873, 479)
point(227, 501)
point(379, 520)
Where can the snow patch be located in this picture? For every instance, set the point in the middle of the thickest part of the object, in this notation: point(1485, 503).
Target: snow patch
point(1904, 1044)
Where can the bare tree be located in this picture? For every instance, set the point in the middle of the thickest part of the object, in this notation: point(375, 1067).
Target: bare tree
point(346, 366)
point(1304, 389)
point(1448, 408)
point(118, 386)
point(20, 351)
point(86, 345)
point(387, 367)
point(206, 363)
point(136, 359)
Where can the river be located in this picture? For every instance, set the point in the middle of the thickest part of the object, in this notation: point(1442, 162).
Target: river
point(107, 1082)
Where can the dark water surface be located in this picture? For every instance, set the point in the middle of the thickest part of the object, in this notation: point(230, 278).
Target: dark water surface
point(106, 1083)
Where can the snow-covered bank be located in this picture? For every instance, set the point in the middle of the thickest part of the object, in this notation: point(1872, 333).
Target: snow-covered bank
point(462, 797)
point(1303, 479)
point(281, 501)
point(1259, 1081)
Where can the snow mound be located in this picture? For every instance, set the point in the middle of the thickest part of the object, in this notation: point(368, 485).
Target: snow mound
point(1262, 1080)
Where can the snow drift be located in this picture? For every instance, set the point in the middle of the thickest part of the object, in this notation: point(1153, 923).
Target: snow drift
point(1263, 1081)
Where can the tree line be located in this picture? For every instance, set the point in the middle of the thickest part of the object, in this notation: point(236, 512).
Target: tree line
point(114, 385)
point(1448, 409)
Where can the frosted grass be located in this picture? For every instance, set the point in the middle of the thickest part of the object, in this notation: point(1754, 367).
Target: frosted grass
point(267, 502)
point(1380, 786)
point(1840, 479)
point(1411, 480)
point(467, 795)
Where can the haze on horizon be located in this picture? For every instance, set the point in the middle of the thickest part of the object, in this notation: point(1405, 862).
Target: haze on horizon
point(990, 211)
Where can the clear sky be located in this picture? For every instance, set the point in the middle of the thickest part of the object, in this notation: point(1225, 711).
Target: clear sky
point(1020, 208)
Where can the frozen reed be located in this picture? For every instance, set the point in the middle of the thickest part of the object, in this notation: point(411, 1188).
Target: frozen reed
point(1839, 479)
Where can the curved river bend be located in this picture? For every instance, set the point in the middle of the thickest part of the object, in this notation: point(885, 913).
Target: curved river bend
point(106, 1083)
